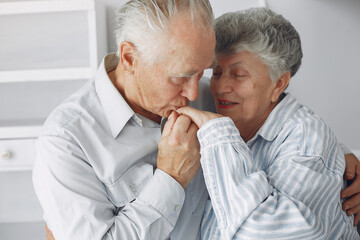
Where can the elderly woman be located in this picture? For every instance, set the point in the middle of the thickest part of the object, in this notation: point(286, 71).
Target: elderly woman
point(273, 169)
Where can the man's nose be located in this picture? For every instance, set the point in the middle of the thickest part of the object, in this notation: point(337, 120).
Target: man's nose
point(191, 89)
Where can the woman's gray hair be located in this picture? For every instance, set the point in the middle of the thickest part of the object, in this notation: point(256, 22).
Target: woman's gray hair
point(144, 23)
point(263, 32)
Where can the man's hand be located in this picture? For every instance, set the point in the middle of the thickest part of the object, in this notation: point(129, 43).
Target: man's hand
point(49, 235)
point(197, 116)
point(179, 149)
point(352, 173)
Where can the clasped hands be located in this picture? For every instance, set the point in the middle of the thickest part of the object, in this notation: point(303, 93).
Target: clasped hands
point(179, 148)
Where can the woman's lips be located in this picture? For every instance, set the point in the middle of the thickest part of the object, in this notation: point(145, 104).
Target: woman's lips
point(225, 104)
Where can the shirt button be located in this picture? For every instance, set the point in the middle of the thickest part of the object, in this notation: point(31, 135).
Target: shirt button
point(133, 188)
point(177, 207)
point(138, 120)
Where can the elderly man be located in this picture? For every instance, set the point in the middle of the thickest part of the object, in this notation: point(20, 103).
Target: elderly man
point(97, 173)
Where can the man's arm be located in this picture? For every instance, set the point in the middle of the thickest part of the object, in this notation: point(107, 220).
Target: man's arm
point(49, 235)
point(77, 203)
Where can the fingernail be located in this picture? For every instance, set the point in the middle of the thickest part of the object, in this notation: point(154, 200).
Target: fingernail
point(349, 175)
point(346, 207)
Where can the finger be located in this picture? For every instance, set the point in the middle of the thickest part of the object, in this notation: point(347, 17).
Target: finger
point(357, 168)
point(182, 124)
point(350, 168)
point(354, 210)
point(193, 129)
point(351, 202)
point(352, 189)
point(170, 123)
point(356, 219)
point(195, 115)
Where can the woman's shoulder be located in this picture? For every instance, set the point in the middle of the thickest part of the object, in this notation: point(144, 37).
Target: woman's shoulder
point(314, 136)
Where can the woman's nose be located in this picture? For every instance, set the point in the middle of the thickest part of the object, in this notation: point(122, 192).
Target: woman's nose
point(224, 85)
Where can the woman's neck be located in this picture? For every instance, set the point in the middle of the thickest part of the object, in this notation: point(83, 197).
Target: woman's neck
point(248, 129)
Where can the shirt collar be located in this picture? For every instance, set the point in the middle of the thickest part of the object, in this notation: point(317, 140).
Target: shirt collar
point(277, 118)
point(116, 109)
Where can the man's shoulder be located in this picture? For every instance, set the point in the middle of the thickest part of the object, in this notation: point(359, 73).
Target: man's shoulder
point(79, 104)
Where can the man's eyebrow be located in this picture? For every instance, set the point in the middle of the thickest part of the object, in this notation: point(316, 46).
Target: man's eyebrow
point(185, 75)
point(214, 65)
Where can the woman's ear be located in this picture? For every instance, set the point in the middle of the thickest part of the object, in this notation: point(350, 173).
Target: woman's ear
point(127, 57)
point(280, 86)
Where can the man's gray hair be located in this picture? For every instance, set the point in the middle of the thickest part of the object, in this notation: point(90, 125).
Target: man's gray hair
point(144, 23)
point(263, 32)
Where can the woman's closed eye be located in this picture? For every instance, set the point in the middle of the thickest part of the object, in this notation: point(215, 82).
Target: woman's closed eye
point(217, 73)
point(240, 74)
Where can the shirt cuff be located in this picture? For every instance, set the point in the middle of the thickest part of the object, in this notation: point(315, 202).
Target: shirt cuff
point(164, 194)
point(218, 130)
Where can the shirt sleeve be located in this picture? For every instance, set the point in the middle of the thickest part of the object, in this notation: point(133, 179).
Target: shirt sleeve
point(345, 149)
point(296, 198)
point(76, 203)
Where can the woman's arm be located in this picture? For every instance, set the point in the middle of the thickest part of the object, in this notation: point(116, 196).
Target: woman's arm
point(296, 198)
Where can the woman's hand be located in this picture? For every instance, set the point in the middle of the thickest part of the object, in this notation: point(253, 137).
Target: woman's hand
point(197, 116)
point(352, 174)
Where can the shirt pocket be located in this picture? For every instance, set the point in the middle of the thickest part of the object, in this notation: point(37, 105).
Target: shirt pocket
point(128, 187)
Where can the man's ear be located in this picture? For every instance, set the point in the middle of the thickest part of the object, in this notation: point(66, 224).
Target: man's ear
point(127, 57)
point(280, 86)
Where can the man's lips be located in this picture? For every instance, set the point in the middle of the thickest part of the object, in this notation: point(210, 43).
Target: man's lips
point(225, 104)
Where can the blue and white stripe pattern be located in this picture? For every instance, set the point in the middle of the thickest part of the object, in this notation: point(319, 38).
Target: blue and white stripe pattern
point(284, 183)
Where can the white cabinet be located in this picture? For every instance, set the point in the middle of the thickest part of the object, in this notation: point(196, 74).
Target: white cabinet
point(47, 40)
point(17, 154)
point(20, 212)
point(48, 50)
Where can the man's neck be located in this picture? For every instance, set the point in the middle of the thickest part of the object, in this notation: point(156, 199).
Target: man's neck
point(115, 77)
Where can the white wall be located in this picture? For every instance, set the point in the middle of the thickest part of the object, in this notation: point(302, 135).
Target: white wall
point(328, 80)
